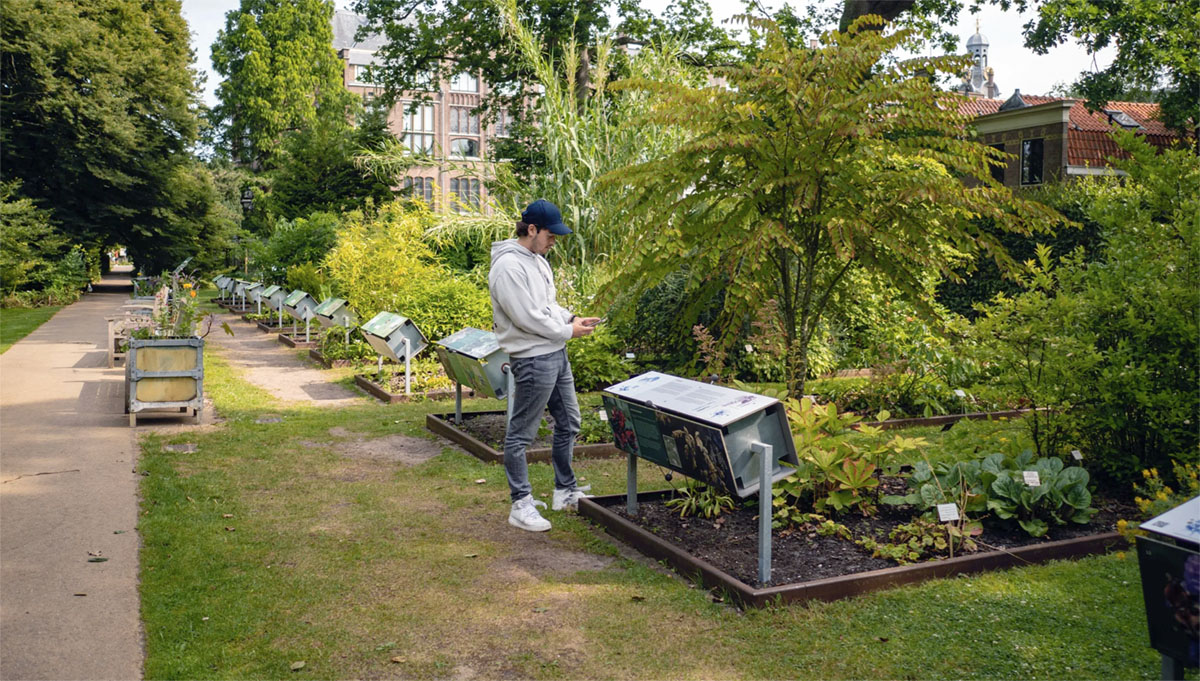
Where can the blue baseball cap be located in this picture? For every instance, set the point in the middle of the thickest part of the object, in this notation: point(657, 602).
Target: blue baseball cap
point(546, 216)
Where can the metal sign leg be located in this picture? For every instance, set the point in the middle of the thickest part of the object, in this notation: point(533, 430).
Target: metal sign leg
point(631, 500)
point(457, 402)
point(307, 325)
point(407, 368)
point(766, 462)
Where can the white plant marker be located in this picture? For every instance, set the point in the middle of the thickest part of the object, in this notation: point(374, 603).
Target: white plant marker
point(947, 512)
point(1032, 478)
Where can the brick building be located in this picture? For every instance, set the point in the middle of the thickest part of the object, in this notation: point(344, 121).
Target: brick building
point(1054, 138)
point(444, 127)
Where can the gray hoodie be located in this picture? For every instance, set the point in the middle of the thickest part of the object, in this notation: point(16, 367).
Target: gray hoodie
point(525, 314)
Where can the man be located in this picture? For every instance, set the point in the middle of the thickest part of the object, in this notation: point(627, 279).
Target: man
point(533, 330)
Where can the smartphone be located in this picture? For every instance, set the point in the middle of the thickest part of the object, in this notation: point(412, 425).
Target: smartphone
point(598, 323)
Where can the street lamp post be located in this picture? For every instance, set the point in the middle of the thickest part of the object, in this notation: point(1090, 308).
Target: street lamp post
point(247, 205)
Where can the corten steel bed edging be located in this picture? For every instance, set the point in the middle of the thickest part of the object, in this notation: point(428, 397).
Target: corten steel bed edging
point(944, 419)
point(316, 356)
point(832, 588)
point(375, 390)
point(443, 424)
point(287, 340)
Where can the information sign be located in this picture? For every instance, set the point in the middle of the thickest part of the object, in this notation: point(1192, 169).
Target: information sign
point(473, 357)
point(700, 430)
point(386, 333)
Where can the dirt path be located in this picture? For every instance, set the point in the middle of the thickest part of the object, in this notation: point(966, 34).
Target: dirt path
point(267, 363)
point(68, 501)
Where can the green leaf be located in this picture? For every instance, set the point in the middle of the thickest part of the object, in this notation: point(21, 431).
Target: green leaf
point(1035, 528)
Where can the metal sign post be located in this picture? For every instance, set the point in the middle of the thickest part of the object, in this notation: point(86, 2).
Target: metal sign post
point(631, 500)
point(511, 382)
point(765, 509)
point(407, 367)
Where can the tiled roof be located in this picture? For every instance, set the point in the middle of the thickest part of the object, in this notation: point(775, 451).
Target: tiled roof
point(345, 27)
point(1088, 141)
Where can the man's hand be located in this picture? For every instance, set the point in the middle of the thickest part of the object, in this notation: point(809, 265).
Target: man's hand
point(582, 326)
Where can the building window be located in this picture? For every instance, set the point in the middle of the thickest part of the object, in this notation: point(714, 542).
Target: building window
point(464, 82)
point(503, 125)
point(465, 192)
point(463, 147)
point(418, 128)
point(998, 168)
point(361, 76)
point(463, 121)
point(420, 188)
point(1031, 161)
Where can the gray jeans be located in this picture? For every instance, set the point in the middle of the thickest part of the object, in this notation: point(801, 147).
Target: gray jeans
point(541, 382)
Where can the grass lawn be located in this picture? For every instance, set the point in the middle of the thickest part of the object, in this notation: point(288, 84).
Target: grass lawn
point(279, 543)
point(18, 322)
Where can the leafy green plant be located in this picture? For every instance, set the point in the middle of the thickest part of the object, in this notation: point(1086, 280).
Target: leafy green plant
point(701, 500)
point(910, 542)
point(592, 429)
point(1061, 497)
point(333, 345)
point(833, 474)
point(597, 360)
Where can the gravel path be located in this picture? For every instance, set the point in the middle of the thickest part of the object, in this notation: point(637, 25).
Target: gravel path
point(278, 369)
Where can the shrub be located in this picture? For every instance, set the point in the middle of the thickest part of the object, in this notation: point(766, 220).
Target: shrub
point(308, 278)
point(596, 360)
point(1109, 347)
point(297, 242)
point(381, 263)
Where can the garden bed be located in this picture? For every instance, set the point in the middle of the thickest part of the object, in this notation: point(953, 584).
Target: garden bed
point(297, 340)
point(319, 358)
point(270, 327)
point(723, 554)
point(382, 394)
point(481, 434)
point(946, 419)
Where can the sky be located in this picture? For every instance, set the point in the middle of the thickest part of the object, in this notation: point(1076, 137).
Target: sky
point(1015, 66)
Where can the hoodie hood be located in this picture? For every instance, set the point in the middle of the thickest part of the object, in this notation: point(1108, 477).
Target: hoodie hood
point(500, 248)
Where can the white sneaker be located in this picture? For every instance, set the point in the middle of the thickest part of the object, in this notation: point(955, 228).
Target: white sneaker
point(569, 497)
point(524, 514)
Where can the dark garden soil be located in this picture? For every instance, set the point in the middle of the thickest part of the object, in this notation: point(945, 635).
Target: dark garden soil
point(730, 542)
point(489, 429)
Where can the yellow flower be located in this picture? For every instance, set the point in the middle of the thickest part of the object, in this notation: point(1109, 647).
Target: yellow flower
point(1145, 473)
point(1161, 495)
point(187, 284)
point(1122, 524)
point(193, 293)
point(1121, 555)
point(1154, 472)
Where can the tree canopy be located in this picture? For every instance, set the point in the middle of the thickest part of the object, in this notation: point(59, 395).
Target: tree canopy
point(434, 40)
point(809, 162)
point(280, 75)
point(98, 102)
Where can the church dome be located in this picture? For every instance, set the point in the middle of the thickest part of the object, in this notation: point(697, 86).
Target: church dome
point(977, 40)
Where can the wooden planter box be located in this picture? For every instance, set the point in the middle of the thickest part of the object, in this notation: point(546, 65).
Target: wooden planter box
point(164, 373)
point(443, 424)
point(832, 588)
point(380, 393)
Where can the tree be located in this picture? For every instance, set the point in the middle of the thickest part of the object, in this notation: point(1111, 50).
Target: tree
point(1157, 42)
point(317, 171)
point(808, 162)
point(97, 102)
point(431, 40)
point(281, 75)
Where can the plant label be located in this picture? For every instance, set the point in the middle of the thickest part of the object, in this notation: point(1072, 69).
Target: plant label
point(1032, 478)
point(630, 355)
point(749, 348)
point(960, 392)
point(947, 512)
point(1077, 455)
point(602, 414)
